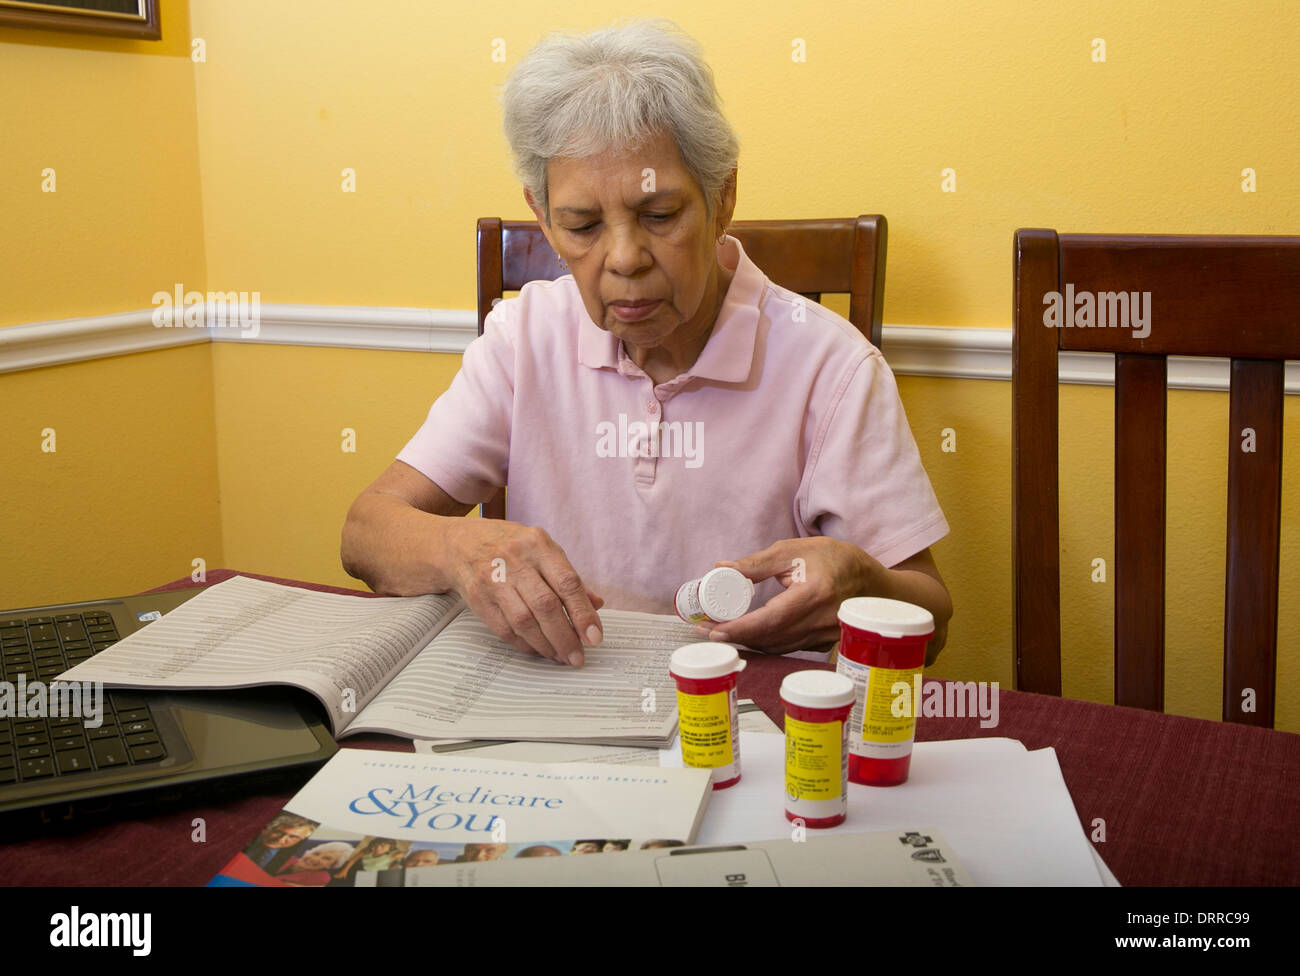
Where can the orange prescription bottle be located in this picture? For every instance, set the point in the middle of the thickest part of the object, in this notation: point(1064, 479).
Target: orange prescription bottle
point(882, 650)
point(707, 716)
point(817, 706)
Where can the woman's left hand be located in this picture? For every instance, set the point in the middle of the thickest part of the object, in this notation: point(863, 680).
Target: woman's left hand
point(818, 574)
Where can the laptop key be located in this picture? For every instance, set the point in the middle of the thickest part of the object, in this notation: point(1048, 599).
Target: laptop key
point(27, 728)
point(141, 739)
point(71, 742)
point(133, 715)
point(123, 701)
point(108, 752)
point(131, 728)
point(36, 768)
point(9, 775)
point(105, 731)
point(32, 739)
point(146, 753)
point(33, 752)
point(74, 761)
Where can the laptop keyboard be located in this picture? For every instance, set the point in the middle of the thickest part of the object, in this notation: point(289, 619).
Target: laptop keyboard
point(42, 648)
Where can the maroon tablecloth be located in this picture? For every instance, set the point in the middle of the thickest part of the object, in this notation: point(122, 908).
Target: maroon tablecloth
point(1184, 801)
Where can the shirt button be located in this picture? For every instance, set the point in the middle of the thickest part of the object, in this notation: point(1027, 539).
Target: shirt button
point(652, 406)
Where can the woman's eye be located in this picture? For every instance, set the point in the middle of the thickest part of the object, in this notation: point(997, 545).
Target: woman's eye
point(661, 218)
point(582, 230)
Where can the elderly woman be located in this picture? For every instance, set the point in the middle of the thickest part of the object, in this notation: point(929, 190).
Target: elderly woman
point(316, 867)
point(662, 409)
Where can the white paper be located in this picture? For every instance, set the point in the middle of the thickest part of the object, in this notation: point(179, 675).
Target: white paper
point(1005, 811)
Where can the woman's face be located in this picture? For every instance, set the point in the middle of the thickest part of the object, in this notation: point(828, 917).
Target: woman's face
point(317, 859)
point(632, 227)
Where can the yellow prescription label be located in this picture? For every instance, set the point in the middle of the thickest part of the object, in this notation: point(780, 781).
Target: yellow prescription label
point(705, 727)
point(882, 721)
point(813, 762)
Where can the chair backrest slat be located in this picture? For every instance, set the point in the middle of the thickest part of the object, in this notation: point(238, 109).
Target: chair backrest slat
point(1209, 296)
point(1035, 499)
point(1254, 528)
point(1139, 570)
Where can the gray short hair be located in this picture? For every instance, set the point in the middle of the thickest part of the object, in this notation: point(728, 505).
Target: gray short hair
point(583, 94)
point(341, 850)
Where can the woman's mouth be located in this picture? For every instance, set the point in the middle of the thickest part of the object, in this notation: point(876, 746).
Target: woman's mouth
point(635, 311)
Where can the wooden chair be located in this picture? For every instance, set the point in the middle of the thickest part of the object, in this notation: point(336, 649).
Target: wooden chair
point(1233, 297)
point(812, 257)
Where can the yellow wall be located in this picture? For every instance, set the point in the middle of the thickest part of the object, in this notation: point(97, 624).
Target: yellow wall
point(130, 495)
point(225, 175)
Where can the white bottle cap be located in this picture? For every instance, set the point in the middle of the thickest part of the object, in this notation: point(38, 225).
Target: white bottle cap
point(817, 689)
point(888, 618)
point(725, 594)
point(705, 660)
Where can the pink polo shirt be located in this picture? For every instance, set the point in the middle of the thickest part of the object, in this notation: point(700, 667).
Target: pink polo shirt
point(788, 425)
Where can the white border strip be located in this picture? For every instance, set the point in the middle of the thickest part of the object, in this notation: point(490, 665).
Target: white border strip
point(928, 350)
point(911, 350)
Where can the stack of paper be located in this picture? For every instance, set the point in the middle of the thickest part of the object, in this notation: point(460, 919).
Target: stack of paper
point(1005, 811)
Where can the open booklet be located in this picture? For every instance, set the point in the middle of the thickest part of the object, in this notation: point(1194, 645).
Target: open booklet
point(412, 666)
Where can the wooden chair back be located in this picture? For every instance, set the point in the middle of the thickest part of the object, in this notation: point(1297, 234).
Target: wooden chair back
point(1231, 297)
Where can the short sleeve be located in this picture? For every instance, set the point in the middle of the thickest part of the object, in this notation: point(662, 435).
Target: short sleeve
point(866, 484)
point(464, 444)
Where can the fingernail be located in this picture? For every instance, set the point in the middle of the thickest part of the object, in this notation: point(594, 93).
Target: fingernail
point(717, 635)
point(593, 635)
point(575, 659)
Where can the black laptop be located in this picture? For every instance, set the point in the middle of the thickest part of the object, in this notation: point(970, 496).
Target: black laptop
point(66, 758)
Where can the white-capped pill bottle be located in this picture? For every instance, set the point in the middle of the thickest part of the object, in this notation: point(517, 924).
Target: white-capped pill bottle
point(707, 717)
point(817, 706)
point(718, 596)
point(882, 651)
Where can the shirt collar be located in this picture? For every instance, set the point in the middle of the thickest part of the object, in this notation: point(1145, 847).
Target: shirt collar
point(728, 356)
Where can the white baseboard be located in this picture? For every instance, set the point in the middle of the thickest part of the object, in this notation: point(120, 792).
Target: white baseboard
point(911, 350)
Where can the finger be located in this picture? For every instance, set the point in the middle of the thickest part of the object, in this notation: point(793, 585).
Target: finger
point(565, 582)
point(775, 560)
point(549, 614)
point(496, 621)
point(519, 613)
point(596, 601)
point(789, 621)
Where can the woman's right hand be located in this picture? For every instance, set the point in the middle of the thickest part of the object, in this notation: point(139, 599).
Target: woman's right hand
point(518, 581)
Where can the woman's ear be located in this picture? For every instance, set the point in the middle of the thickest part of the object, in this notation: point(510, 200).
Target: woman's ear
point(727, 202)
point(541, 216)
